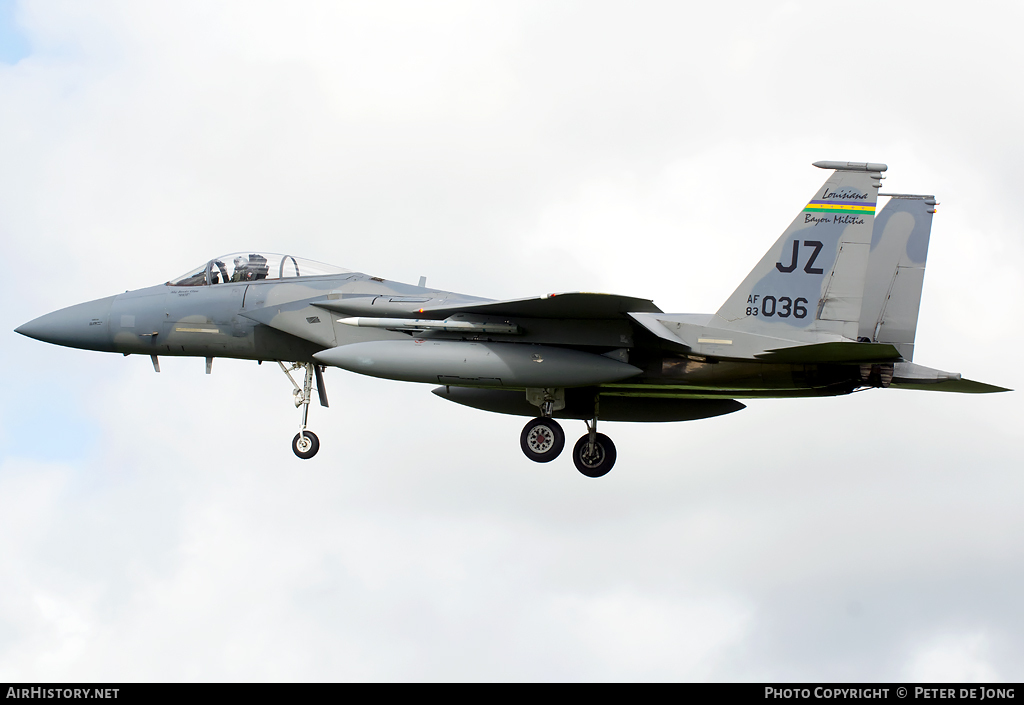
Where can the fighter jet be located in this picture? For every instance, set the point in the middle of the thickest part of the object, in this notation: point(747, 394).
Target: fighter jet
point(830, 309)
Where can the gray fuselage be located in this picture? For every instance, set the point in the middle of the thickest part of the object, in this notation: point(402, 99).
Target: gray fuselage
point(290, 321)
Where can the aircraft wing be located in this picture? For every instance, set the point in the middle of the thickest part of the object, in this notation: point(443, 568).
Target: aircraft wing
point(582, 318)
point(572, 305)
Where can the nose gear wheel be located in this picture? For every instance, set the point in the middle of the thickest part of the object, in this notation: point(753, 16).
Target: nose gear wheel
point(305, 444)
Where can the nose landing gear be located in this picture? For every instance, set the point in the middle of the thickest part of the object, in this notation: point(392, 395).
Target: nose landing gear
point(306, 444)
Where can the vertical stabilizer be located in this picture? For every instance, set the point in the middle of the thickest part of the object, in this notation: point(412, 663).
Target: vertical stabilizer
point(812, 278)
point(895, 273)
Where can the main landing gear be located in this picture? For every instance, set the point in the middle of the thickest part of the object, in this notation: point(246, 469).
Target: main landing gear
point(306, 444)
point(594, 453)
point(543, 439)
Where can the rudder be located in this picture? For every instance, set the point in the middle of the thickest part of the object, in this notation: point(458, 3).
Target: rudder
point(895, 273)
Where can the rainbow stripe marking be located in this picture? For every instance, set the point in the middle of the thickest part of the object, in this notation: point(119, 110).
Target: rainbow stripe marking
point(857, 207)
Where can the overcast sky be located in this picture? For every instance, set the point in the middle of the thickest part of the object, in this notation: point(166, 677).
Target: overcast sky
point(158, 526)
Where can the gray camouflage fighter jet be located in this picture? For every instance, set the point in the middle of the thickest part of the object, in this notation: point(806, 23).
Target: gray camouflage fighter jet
point(830, 309)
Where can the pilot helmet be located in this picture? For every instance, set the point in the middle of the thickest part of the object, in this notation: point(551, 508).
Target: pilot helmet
point(241, 262)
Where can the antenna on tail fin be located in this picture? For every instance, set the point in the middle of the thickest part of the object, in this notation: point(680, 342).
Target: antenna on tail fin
point(851, 166)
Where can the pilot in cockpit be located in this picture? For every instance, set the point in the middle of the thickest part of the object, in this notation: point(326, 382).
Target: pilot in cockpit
point(241, 273)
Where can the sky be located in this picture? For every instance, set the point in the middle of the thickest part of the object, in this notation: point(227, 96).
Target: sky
point(157, 527)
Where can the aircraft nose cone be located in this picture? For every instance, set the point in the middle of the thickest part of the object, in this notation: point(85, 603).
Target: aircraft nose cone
point(85, 326)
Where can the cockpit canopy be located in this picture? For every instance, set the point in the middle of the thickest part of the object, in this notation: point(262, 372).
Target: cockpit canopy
point(253, 266)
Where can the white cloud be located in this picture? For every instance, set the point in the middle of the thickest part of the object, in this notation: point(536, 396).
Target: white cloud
point(953, 659)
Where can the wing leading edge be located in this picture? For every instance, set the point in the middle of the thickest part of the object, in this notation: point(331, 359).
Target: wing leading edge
point(571, 305)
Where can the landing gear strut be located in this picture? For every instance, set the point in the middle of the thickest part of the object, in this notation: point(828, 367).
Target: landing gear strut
point(594, 453)
point(306, 444)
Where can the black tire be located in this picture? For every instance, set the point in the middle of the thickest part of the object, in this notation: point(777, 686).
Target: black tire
point(308, 448)
point(600, 462)
point(542, 440)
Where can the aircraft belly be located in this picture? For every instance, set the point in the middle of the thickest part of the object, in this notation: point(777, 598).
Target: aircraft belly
point(683, 377)
point(579, 404)
point(652, 392)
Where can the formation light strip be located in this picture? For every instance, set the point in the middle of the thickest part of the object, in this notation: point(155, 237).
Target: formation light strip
point(839, 207)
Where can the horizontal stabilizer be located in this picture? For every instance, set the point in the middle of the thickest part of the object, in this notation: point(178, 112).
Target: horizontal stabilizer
point(962, 386)
point(840, 352)
point(908, 375)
